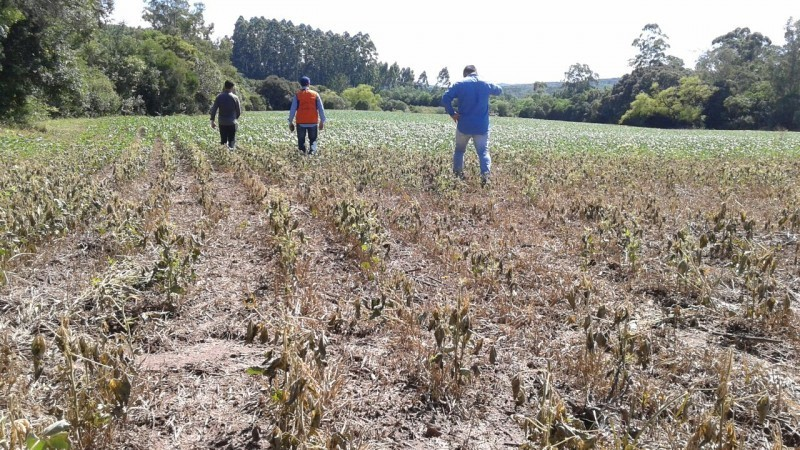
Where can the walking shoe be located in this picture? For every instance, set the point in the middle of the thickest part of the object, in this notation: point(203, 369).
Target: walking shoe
point(459, 175)
point(485, 179)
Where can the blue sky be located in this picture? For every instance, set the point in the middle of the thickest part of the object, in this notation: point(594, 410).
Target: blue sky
point(507, 42)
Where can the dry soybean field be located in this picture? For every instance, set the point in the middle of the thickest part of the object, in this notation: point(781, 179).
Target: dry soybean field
point(611, 288)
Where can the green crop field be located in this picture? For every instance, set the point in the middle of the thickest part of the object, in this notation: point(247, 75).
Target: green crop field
point(612, 288)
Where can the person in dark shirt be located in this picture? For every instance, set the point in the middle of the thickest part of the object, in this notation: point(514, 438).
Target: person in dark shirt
point(227, 103)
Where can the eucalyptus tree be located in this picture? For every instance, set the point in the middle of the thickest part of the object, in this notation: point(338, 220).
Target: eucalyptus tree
point(389, 76)
point(652, 66)
point(736, 59)
point(580, 89)
point(739, 64)
point(443, 79)
point(422, 81)
point(245, 51)
point(786, 79)
point(177, 18)
point(406, 77)
point(652, 44)
point(579, 78)
point(365, 59)
point(263, 47)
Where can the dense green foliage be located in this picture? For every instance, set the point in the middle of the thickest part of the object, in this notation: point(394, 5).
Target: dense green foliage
point(81, 66)
point(39, 68)
point(62, 59)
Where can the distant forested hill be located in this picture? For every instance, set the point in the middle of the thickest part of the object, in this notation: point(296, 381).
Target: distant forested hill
point(524, 90)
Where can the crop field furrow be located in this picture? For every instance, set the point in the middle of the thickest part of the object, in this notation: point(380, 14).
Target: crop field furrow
point(339, 294)
point(201, 350)
point(508, 280)
point(63, 196)
point(70, 298)
point(383, 297)
point(58, 269)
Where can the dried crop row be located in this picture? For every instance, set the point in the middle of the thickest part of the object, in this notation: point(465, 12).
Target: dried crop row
point(50, 194)
point(621, 242)
point(242, 277)
point(184, 345)
point(307, 288)
point(91, 364)
point(631, 247)
point(44, 296)
point(399, 312)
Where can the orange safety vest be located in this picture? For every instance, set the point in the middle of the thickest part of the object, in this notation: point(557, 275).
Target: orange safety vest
point(307, 107)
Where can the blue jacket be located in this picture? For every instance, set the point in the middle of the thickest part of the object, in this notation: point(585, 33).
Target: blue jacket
point(473, 103)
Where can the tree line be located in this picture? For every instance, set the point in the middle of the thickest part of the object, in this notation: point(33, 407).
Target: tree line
point(62, 58)
point(743, 81)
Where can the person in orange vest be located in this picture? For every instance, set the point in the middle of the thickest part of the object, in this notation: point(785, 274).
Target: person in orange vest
point(308, 113)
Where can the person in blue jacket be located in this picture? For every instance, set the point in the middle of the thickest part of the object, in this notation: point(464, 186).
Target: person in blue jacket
point(472, 119)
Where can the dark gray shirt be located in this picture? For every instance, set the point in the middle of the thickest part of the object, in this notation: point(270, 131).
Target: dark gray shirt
point(229, 110)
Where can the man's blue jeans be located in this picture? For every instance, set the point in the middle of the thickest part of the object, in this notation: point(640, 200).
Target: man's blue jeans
point(481, 142)
point(312, 138)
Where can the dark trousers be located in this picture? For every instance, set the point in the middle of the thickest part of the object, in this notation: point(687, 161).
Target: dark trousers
point(312, 138)
point(227, 135)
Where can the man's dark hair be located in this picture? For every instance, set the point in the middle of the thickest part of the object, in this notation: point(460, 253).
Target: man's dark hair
point(228, 84)
point(470, 69)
